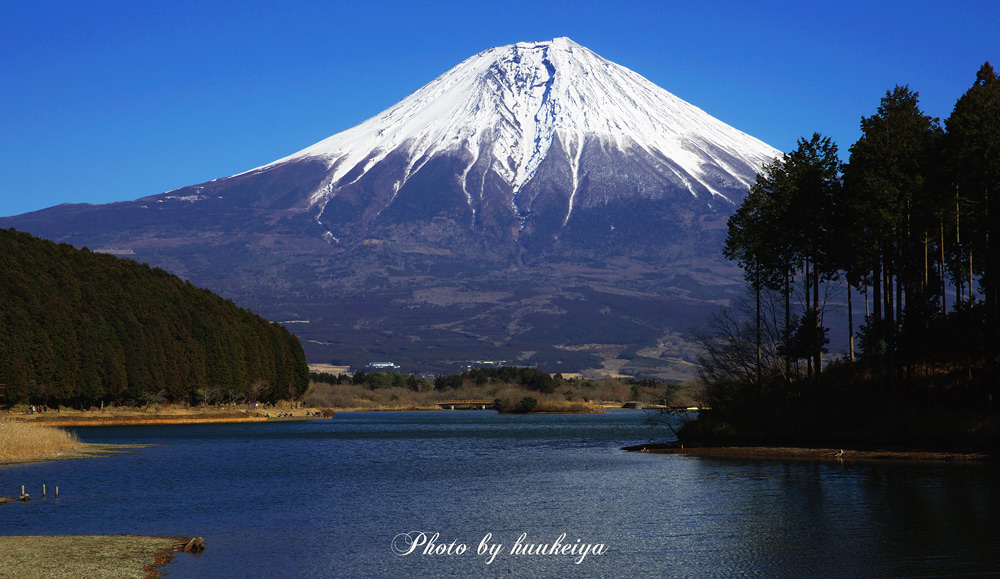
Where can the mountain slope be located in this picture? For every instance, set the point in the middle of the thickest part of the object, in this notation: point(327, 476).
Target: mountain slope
point(534, 173)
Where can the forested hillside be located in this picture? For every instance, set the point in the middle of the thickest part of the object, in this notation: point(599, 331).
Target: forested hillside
point(78, 327)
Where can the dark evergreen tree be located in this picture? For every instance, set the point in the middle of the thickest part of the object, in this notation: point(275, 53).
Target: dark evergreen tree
point(973, 156)
point(783, 228)
point(891, 212)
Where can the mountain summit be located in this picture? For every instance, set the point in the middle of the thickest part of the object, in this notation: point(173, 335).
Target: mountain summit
point(502, 114)
point(537, 166)
point(527, 133)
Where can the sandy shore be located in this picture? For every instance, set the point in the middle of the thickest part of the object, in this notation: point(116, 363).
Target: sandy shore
point(821, 454)
point(90, 556)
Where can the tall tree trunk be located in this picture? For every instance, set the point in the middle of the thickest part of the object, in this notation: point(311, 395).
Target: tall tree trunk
point(958, 254)
point(891, 304)
point(788, 326)
point(924, 283)
point(944, 285)
point(809, 358)
point(819, 345)
point(890, 326)
point(901, 357)
point(970, 276)
point(990, 280)
point(850, 321)
point(877, 293)
point(760, 387)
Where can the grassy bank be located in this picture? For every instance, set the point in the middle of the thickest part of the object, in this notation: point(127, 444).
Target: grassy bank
point(22, 442)
point(93, 557)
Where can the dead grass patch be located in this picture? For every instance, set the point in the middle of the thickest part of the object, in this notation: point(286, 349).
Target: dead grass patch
point(21, 441)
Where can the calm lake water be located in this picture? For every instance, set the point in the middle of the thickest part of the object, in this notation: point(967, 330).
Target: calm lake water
point(328, 498)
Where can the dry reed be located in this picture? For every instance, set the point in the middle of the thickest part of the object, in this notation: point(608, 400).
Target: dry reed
point(27, 442)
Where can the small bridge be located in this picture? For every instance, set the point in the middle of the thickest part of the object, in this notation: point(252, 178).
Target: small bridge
point(476, 404)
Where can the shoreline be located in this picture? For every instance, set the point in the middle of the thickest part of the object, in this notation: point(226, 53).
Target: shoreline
point(74, 419)
point(839, 455)
point(121, 421)
point(86, 450)
point(69, 418)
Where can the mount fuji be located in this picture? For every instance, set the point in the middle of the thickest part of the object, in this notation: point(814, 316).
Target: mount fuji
point(536, 204)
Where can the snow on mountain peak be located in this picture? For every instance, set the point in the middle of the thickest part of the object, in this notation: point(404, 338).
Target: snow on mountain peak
point(510, 103)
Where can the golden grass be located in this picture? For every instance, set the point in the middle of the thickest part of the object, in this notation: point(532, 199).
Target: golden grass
point(574, 406)
point(28, 442)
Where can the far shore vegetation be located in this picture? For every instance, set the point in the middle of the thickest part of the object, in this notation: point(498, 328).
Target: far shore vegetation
point(509, 389)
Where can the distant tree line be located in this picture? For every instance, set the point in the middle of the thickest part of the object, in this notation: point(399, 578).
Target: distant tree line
point(910, 225)
point(529, 378)
point(374, 380)
point(79, 328)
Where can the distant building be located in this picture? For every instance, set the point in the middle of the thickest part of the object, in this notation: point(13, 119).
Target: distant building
point(484, 363)
point(383, 365)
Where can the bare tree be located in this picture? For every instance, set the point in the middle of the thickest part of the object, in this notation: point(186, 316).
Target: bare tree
point(150, 398)
point(255, 390)
point(729, 357)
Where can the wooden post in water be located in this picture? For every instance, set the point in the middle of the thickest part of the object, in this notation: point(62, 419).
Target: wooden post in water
point(57, 492)
point(43, 490)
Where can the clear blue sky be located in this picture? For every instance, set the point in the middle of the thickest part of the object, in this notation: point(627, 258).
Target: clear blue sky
point(107, 101)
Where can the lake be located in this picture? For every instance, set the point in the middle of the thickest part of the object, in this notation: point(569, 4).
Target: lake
point(348, 497)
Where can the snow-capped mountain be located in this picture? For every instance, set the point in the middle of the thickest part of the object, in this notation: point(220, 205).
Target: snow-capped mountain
point(506, 110)
point(536, 166)
point(545, 126)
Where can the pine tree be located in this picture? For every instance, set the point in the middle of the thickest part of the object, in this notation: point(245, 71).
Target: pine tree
point(973, 154)
point(782, 229)
point(888, 200)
